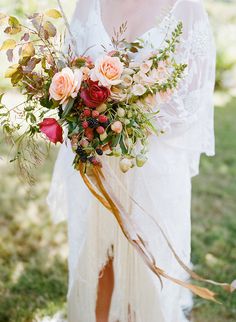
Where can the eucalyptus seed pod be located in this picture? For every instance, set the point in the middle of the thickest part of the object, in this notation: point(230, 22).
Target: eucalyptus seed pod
point(130, 114)
point(120, 112)
point(116, 151)
point(103, 136)
point(101, 108)
point(128, 143)
point(126, 121)
point(140, 160)
point(125, 165)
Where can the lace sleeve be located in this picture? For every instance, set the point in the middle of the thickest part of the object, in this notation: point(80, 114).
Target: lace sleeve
point(190, 109)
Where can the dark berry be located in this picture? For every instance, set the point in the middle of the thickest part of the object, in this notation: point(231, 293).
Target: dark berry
point(91, 159)
point(80, 150)
point(106, 124)
point(83, 158)
point(85, 124)
point(99, 151)
point(93, 123)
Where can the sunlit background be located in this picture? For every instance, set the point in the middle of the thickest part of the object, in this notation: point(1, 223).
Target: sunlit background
point(33, 251)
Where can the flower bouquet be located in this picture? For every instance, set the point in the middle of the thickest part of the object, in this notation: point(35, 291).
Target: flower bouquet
point(105, 108)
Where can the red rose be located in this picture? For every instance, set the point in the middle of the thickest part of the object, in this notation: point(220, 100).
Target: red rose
point(52, 129)
point(94, 95)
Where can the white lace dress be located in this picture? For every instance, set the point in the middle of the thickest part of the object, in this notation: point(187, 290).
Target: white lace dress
point(162, 186)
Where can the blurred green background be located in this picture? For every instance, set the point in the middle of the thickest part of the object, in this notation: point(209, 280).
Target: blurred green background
point(33, 251)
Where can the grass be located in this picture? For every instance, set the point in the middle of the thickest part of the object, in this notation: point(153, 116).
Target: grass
point(33, 269)
point(214, 220)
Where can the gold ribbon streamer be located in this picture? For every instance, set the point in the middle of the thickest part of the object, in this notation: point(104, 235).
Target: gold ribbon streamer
point(107, 198)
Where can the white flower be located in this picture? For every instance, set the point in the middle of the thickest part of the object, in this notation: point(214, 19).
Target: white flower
point(138, 90)
point(127, 80)
point(146, 66)
point(134, 65)
point(118, 94)
point(143, 79)
point(129, 71)
point(151, 101)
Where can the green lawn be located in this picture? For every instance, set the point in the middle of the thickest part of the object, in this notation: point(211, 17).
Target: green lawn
point(214, 217)
point(33, 269)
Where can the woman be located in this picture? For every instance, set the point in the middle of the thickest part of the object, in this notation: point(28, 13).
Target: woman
point(108, 279)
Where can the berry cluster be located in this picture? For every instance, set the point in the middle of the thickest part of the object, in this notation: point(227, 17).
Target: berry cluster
point(94, 125)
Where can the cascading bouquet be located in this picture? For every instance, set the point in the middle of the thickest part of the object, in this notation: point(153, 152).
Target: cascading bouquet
point(107, 106)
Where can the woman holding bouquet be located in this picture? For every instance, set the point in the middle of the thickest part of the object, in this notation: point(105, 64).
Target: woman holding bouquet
point(109, 281)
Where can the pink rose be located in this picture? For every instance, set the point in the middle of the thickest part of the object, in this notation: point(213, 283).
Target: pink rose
point(65, 84)
point(52, 129)
point(107, 71)
point(117, 127)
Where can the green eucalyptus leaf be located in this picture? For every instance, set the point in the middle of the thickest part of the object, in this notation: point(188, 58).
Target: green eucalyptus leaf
point(68, 108)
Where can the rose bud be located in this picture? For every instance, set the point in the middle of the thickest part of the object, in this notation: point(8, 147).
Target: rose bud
point(101, 108)
point(94, 95)
point(85, 125)
point(120, 112)
point(102, 118)
point(141, 160)
point(100, 130)
point(103, 136)
point(87, 112)
point(52, 129)
point(117, 127)
point(125, 165)
point(89, 134)
point(95, 114)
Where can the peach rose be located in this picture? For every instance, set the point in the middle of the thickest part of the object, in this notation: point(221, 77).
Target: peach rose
point(107, 71)
point(65, 84)
point(117, 127)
